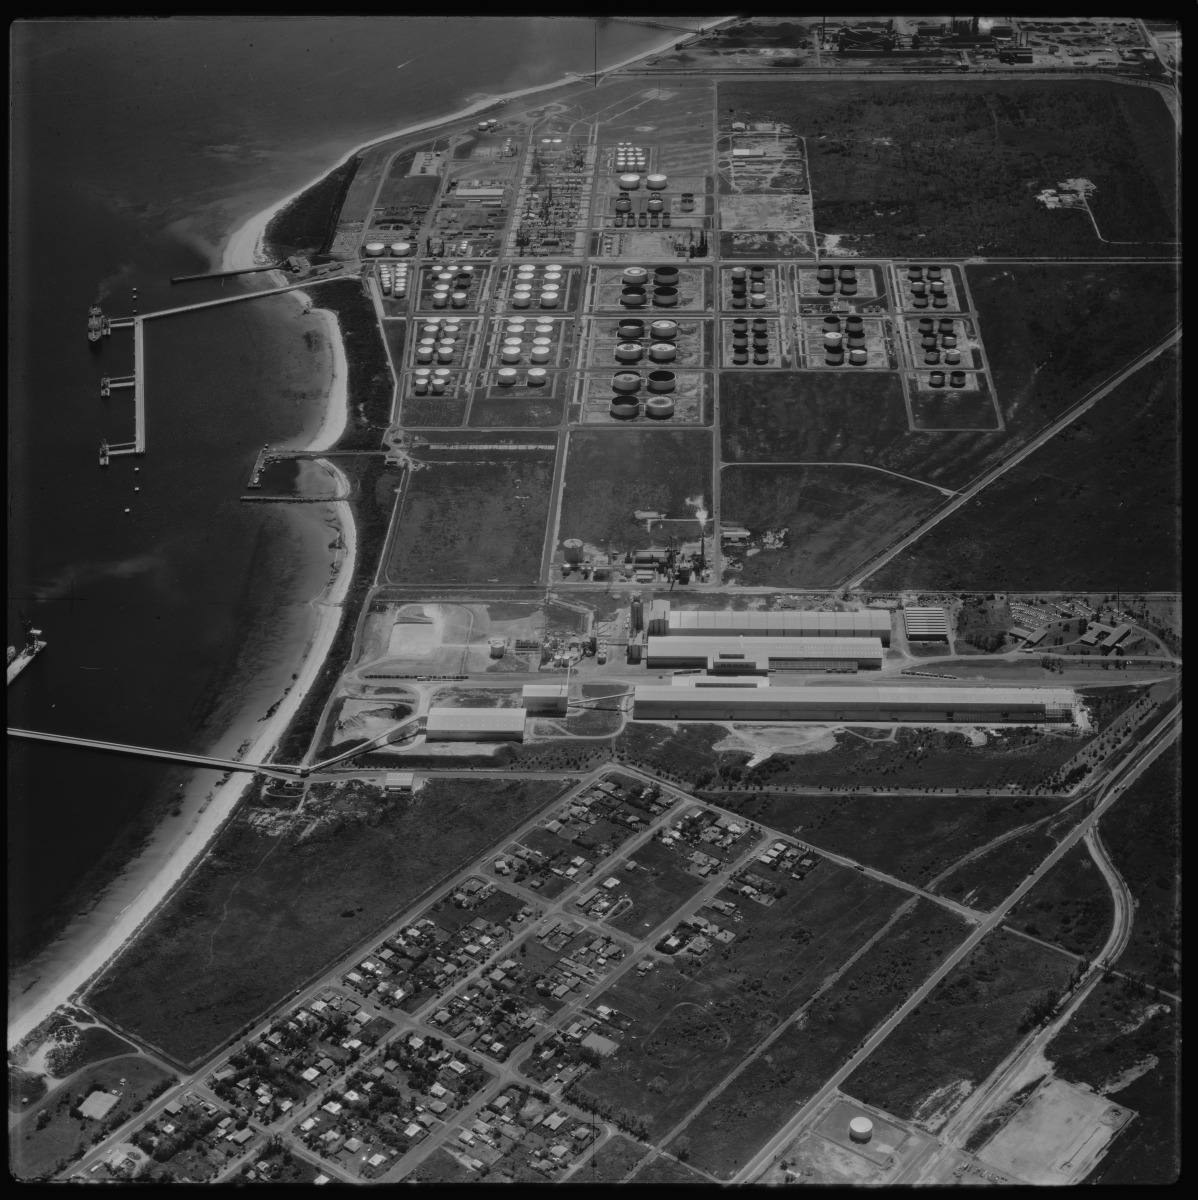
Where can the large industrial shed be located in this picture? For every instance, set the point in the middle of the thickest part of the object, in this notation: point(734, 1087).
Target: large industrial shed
point(754, 655)
point(788, 623)
point(475, 725)
point(988, 706)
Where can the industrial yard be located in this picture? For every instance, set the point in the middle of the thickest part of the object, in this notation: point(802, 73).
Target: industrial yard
point(770, 477)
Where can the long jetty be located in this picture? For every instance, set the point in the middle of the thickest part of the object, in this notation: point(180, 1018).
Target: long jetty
point(137, 382)
point(227, 274)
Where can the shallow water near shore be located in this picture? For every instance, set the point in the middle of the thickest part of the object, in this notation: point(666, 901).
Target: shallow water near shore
point(137, 148)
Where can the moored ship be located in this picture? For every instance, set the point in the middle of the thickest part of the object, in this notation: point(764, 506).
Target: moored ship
point(18, 661)
point(95, 323)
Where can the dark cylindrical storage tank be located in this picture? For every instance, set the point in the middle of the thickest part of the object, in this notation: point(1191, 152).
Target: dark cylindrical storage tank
point(934, 273)
point(757, 273)
point(827, 287)
point(834, 360)
point(761, 358)
point(929, 342)
point(631, 328)
point(623, 206)
point(626, 383)
point(665, 220)
point(663, 331)
point(740, 323)
point(920, 302)
point(932, 358)
point(957, 379)
point(926, 324)
point(740, 357)
point(619, 221)
point(948, 342)
point(629, 352)
point(858, 358)
point(946, 324)
point(624, 409)
point(662, 381)
point(856, 340)
point(914, 273)
point(633, 297)
point(656, 205)
point(665, 297)
point(642, 220)
point(759, 324)
point(855, 325)
point(739, 302)
point(665, 276)
point(936, 379)
point(832, 322)
point(940, 302)
point(825, 273)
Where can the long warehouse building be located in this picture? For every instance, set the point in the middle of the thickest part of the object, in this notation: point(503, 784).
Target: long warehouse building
point(788, 623)
point(475, 724)
point(756, 655)
point(1000, 705)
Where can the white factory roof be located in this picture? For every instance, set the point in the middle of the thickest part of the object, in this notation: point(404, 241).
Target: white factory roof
point(830, 696)
point(863, 623)
point(544, 691)
point(724, 681)
point(926, 620)
point(475, 720)
point(763, 647)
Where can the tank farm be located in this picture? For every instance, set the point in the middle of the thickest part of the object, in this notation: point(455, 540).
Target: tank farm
point(595, 267)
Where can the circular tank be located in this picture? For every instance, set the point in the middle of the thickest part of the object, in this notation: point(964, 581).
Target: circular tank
point(631, 329)
point(635, 277)
point(858, 358)
point(738, 302)
point(507, 376)
point(662, 381)
point(957, 379)
point(825, 273)
point(629, 352)
point(543, 328)
point(626, 383)
point(659, 408)
point(738, 273)
point(848, 273)
point(952, 357)
point(445, 352)
point(932, 358)
point(540, 354)
point(926, 324)
point(521, 301)
point(510, 354)
point(855, 324)
point(834, 360)
point(373, 249)
point(940, 302)
point(740, 358)
point(929, 342)
point(420, 385)
point(826, 287)
point(757, 301)
point(549, 299)
point(831, 322)
point(523, 288)
point(663, 352)
point(741, 323)
point(920, 302)
point(832, 341)
point(401, 249)
point(656, 182)
point(656, 205)
point(937, 288)
point(665, 276)
point(458, 299)
point(465, 274)
point(936, 379)
point(848, 287)
point(946, 324)
point(665, 297)
point(623, 206)
point(624, 409)
point(757, 287)
point(948, 342)
point(919, 289)
point(630, 182)
point(438, 386)
point(424, 354)
point(861, 1129)
point(515, 330)
point(536, 377)
point(664, 331)
point(914, 273)
point(934, 273)
point(633, 297)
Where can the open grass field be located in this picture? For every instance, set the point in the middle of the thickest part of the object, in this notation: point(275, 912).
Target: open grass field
point(827, 519)
point(38, 1153)
point(1105, 493)
point(665, 1170)
point(478, 519)
point(611, 474)
point(1142, 834)
point(1128, 1046)
point(946, 410)
point(612, 1161)
point(693, 1023)
point(658, 886)
point(683, 754)
point(911, 837)
point(727, 1133)
point(986, 881)
point(432, 412)
point(957, 163)
point(94, 1044)
point(810, 416)
point(530, 411)
point(953, 1040)
point(1071, 906)
point(262, 914)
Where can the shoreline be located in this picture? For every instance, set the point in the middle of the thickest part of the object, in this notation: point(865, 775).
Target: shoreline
point(244, 247)
point(178, 843)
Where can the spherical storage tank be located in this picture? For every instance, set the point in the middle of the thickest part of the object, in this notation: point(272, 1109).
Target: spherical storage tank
point(861, 1129)
point(373, 249)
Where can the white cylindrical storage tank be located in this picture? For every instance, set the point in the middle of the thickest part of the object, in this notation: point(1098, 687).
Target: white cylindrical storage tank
point(440, 299)
point(401, 249)
point(536, 377)
point(861, 1129)
point(420, 385)
point(438, 386)
point(544, 329)
point(656, 182)
point(507, 376)
point(626, 383)
point(540, 354)
point(952, 357)
point(425, 351)
point(624, 407)
point(516, 329)
point(550, 300)
point(663, 331)
point(832, 341)
point(628, 352)
point(458, 299)
point(757, 301)
point(521, 300)
point(373, 249)
point(522, 289)
point(445, 352)
point(635, 277)
point(630, 182)
point(510, 355)
point(663, 352)
point(659, 407)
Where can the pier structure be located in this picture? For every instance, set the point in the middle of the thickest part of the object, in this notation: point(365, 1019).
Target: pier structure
point(137, 382)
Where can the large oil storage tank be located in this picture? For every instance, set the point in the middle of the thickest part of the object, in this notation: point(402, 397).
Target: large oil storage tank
point(656, 182)
point(631, 328)
point(861, 1129)
point(663, 352)
point(946, 324)
point(957, 379)
point(626, 382)
point(665, 276)
point(401, 249)
point(624, 407)
point(831, 322)
point(665, 297)
point(936, 379)
point(373, 249)
point(634, 297)
point(629, 352)
point(663, 331)
point(659, 407)
point(662, 381)
point(635, 277)
point(934, 273)
point(630, 182)
point(858, 358)
point(952, 357)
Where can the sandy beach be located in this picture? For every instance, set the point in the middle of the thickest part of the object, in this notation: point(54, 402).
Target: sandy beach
point(205, 803)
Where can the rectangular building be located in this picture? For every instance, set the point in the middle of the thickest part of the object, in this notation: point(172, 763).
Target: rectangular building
point(545, 698)
point(475, 724)
point(923, 705)
point(757, 655)
point(788, 623)
point(926, 624)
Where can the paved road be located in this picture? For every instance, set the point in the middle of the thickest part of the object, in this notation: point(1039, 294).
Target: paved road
point(1106, 795)
point(875, 564)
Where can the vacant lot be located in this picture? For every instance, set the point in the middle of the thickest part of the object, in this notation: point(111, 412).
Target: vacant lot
point(612, 1161)
point(612, 474)
point(1105, 493)
point(971, 409)
point(810, 416)
point(666, 1170)
point(986, 881)
point(1071, 906)
point(1142, 834)
point(475, 520)
point(658, 886)
point(911, 837)
point(957, 164)
point(971, 1020)
point(727, 1133)
point(694, 1022)
point(530, 413)
point(810, 526)
point(1128, 1046)
point(683, 754)
point(36, 1153)
point(262, 914)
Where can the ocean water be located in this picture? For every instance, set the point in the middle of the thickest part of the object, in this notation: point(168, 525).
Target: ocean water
point(136, 147)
